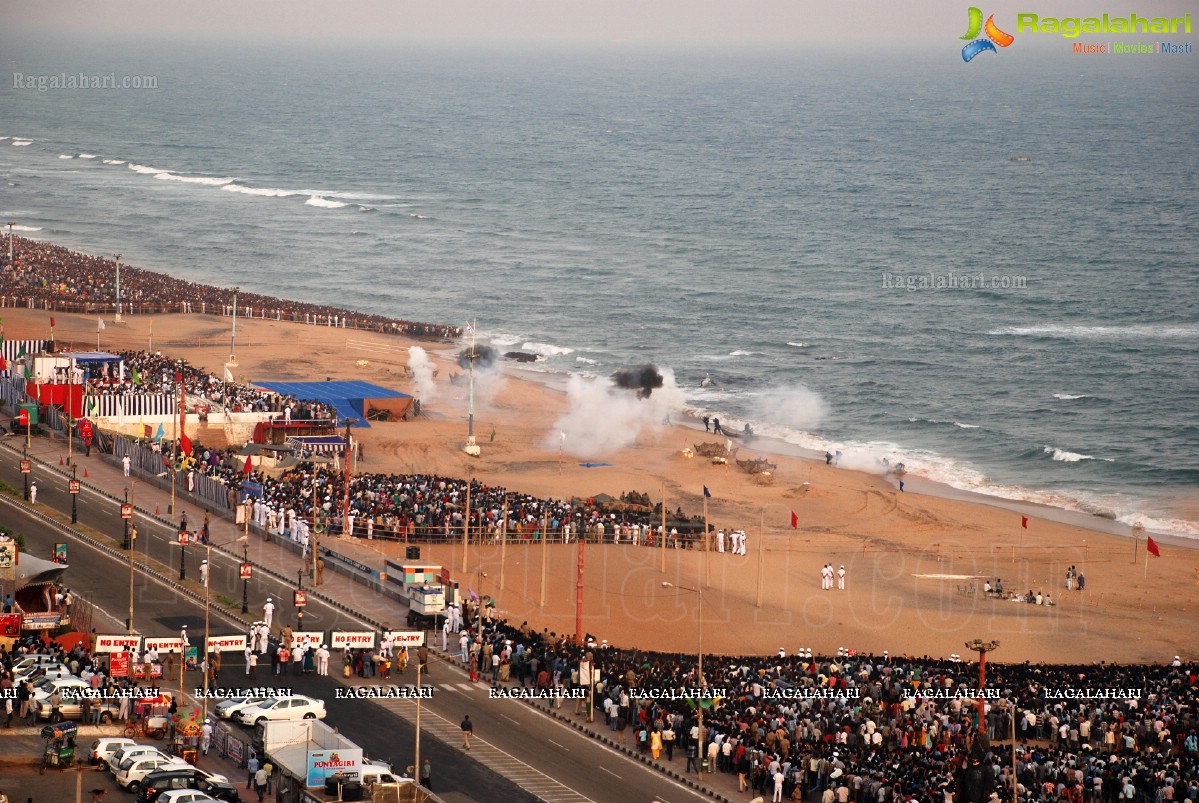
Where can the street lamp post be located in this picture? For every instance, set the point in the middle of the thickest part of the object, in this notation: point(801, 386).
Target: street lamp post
point(133, 539)
point(74, 488)
point(24, 471)
point(127, 544)
point(207, 577)
point(699, 618)
point(117, 317)
point(245, 581)
point(10, 225)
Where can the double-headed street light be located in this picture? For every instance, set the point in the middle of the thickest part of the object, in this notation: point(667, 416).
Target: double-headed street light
point(699, 619)
point(207, 577)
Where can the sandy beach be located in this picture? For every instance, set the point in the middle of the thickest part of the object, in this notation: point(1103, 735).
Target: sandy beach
point(909, 557)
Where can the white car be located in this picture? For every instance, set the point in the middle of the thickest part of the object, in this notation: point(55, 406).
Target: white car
point(103, 749)
point(282, 708)
point(130, 776)
point(55, 669)
point(126, 756)
point(225, 709)
point(71, 707)
point(26, 665)
point(185, 796)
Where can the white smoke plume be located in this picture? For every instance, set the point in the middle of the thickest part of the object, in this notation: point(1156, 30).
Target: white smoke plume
point(602, 418)
point(422, 374)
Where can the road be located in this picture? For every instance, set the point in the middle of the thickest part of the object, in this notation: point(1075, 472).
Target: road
point(518, 753)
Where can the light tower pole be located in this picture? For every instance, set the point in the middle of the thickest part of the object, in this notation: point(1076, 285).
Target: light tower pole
point(117, 317)
point(982, 648)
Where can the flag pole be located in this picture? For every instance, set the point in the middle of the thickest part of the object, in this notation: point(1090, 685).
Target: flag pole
point(761, 552)
point(503, 541)
point(466, 526)
point(663, 528)
point(707, 547)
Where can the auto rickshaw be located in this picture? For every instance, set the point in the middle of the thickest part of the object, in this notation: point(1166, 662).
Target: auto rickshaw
point(60, 745)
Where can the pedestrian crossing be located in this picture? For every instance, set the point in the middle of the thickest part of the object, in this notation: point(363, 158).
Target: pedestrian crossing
point(523, 775)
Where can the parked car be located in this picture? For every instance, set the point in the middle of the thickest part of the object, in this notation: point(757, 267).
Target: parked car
point(283, 708)
point(132, 773)
point(185, 796)
point(104, 748)
point(25, 665)
point(161, 781)
point(52, 669)
point(226, 709)
point(123, 758)
point(71, 707)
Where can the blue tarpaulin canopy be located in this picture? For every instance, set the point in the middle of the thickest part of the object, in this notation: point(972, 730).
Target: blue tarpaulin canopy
point(351, 399)
point(92, 357)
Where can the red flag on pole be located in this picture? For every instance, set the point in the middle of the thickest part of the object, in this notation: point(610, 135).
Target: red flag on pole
point(51, 321)
point(1024, 522)
point(794, 521)
point(1152, 547)
point(249, 468)
point(185, 445)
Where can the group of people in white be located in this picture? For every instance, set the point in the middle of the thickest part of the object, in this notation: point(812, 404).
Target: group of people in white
point(828, 575)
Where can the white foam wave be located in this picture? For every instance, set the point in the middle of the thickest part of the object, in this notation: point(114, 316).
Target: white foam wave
point(87, 156)
point(1101, 332)
point(323, 203)
point(207, 181)
point(114, 161)
point(266, 192)
point(742, 353)
point(504, 340)
point(546, 349)
point(1063, 456)
point(26, 228)
point(21, 143)
point(1070, 396)
point(965, 426)
point(586, 360)
point(65, 156)
point(3, 138)
point(146, 170)
point(797, 344)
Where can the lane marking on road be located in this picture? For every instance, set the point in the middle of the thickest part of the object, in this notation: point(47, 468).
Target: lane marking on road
point(510, 719)
point(564, 747)
point(610, 772)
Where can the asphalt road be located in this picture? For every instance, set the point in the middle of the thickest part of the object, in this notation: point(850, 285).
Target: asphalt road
point(539, 758)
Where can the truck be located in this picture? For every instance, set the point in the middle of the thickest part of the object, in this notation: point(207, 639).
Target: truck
point(426, 604)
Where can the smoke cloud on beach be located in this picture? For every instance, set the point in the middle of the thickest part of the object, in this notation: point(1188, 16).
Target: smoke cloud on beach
point(486, 358)
point(644, 379)
point(422, 374)
point(603, 417)
point(797, 407)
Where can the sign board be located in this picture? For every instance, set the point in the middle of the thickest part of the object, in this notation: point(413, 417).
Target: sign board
point(116, 643)
point(184, 537)
point(10, 625)
point(9, 554)
point(26, 465)
point(301, 598)
point(247, 571)
point(126, 510)
point(308, 638)
point(73, 486)
point(324, 763)
point(355, 640)
point(60, 552)
point(164, 645)
point(240, 515)
point(118, 665)
point(405, 638)
point(227, 643)
point(41, 621)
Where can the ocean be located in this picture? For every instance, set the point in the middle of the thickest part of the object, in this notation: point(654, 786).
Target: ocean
point(842, 242)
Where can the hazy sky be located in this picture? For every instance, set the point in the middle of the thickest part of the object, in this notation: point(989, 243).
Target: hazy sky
point(562, 21)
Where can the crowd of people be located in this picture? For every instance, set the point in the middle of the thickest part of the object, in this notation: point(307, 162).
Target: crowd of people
point(873, 729)
point(51, 277)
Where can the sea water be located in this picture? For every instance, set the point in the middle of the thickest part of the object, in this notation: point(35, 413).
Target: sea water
point(844, 245)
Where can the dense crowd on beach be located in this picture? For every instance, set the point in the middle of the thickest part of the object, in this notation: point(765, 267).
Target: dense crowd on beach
point(51, 277)
point(876, 729)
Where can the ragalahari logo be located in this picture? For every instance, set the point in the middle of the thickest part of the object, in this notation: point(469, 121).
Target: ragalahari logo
point(994, 35)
